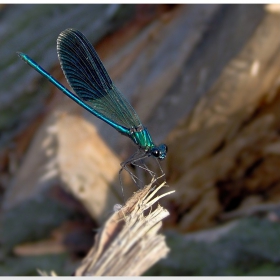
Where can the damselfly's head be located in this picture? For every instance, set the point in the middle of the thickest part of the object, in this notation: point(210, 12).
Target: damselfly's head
point(159, 151)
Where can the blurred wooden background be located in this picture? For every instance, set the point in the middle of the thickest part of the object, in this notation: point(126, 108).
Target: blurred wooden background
point(204, 79)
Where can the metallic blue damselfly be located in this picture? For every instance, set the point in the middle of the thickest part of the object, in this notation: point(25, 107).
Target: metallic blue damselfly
point(96, 92)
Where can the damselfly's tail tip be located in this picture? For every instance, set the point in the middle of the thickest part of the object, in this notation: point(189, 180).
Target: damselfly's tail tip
point(21, 55)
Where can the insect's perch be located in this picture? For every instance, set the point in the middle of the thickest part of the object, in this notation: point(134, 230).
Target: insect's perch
point(129, 243)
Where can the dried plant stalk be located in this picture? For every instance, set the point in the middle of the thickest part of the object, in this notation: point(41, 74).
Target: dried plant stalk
point(129, 242)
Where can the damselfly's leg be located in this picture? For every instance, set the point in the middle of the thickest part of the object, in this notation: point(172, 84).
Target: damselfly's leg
point(133, 176)
point(124, 167)
point(138, 156)
point(143, 166)
point(162, 172)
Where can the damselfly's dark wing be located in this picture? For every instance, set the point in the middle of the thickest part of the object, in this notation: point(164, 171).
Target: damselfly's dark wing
point(87, 76)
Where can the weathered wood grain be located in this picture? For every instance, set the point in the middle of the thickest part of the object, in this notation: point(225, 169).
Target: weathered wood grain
point(228, 132)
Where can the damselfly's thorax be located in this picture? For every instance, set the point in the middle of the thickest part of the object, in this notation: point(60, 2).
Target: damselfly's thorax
point(141, 136)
